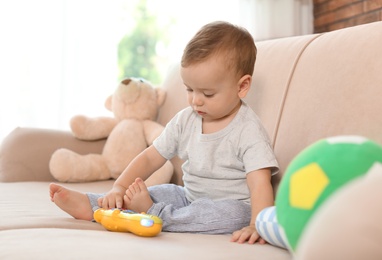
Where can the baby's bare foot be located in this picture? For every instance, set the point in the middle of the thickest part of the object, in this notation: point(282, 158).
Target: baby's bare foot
point(72, 202)
point(138, 197)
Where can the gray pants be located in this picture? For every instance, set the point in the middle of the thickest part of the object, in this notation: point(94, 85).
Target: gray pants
point(200, 216)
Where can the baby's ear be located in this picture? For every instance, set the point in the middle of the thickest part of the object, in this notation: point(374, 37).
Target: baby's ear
point(244, 85)
point(161, 96)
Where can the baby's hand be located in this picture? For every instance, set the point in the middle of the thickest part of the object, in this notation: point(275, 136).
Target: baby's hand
point(113, 199)
point(249, 234)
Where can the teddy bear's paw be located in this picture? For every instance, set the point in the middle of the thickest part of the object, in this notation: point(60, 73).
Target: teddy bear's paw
point(68, 166)
point(62, 164)
point(86, 128)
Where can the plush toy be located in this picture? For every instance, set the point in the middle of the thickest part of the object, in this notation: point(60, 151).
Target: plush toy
point(348, 226)
point(315, 174)
point(135, 104)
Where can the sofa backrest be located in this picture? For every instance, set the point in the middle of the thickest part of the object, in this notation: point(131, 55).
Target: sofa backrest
point(308, 87)
point(335, 89)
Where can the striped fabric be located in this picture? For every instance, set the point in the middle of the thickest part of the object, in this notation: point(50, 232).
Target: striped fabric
point(269, 229)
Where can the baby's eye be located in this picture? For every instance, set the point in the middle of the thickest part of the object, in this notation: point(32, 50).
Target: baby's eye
point(208, 95)
point(189, 90)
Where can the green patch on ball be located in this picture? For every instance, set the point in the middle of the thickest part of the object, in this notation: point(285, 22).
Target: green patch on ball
point(315, 173)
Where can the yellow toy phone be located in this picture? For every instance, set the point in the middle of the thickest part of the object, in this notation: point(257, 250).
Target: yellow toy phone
point(140, 224)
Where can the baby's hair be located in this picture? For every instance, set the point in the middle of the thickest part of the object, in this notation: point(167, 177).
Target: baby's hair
point(222, 38)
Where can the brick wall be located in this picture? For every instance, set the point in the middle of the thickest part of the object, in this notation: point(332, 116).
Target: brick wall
point(331, 15)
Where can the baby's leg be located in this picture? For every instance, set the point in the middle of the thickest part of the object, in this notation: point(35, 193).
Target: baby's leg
point(179, 215)
point(141, 198)
point(72, 202)
point(204, 216)
point(169, 202)
point(138, 197)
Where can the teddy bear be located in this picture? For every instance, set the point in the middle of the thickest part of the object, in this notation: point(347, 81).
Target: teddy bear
point(135, 105)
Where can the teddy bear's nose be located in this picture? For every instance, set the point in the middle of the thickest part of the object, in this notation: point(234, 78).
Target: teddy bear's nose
point(126, 81)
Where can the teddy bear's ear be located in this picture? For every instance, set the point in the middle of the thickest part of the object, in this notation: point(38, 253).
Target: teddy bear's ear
point(108, 103)
point(161, 96)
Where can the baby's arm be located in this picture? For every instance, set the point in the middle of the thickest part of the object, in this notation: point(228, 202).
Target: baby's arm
point(142, 166)
point(260, 187)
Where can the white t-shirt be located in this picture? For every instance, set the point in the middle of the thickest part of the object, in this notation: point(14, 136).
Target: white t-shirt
point(216, 164)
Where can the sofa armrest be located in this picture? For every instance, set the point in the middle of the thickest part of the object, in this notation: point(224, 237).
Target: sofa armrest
point(25, 153)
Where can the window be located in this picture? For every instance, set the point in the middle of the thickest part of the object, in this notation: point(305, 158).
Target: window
point(60, 58)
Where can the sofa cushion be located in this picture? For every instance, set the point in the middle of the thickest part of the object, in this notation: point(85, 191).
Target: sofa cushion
point(28, 205)
point(33, 227)
point(55, 243)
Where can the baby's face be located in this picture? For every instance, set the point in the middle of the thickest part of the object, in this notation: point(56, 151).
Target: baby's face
point(212, 89)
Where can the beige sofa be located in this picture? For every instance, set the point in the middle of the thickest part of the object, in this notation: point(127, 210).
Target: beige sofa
point(305, 88)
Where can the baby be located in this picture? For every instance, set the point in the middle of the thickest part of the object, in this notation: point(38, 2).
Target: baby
point(228, 158)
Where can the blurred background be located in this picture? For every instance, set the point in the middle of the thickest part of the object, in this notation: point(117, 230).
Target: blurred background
point(60, 58)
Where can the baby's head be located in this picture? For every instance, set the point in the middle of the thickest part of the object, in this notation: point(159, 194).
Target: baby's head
point(216, 68)
point(233, 44)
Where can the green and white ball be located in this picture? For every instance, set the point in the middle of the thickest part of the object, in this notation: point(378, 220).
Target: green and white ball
point(315, 174)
